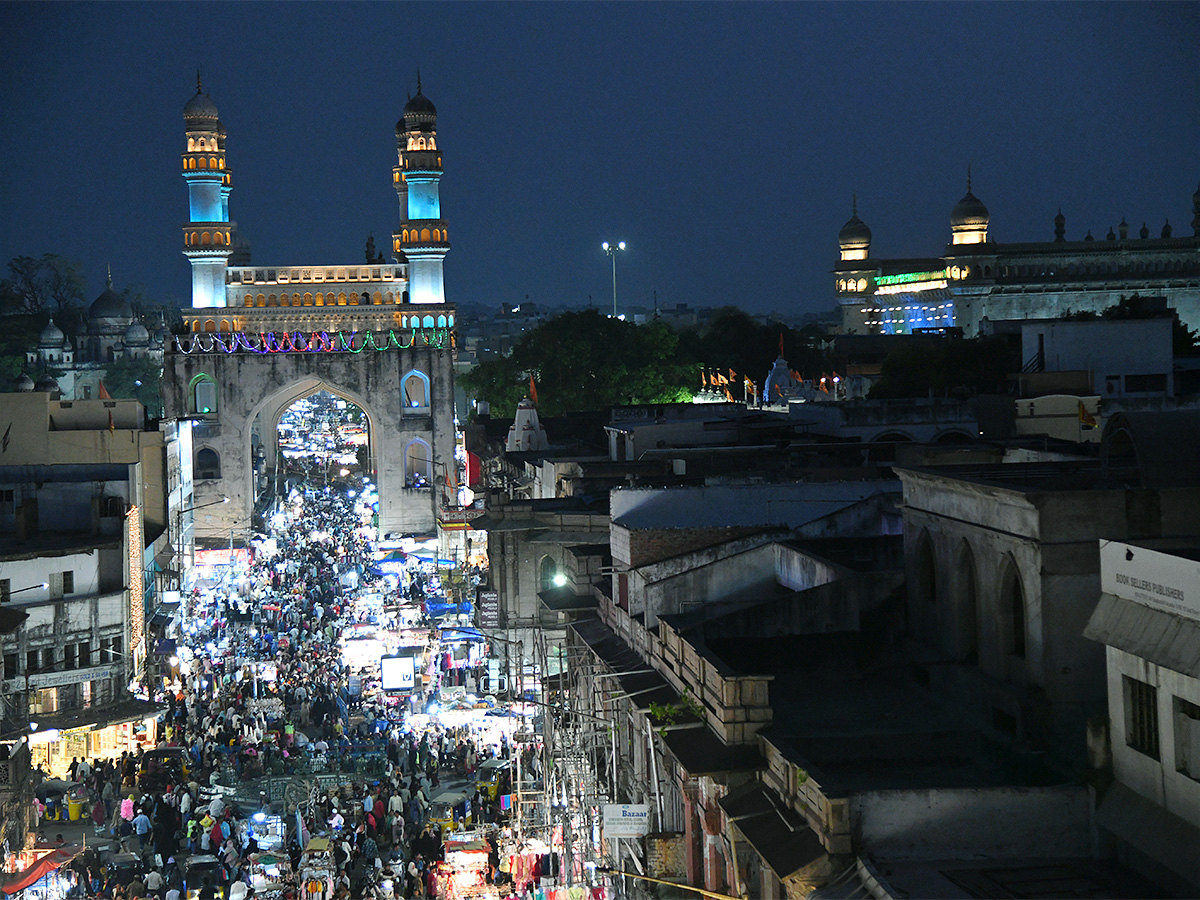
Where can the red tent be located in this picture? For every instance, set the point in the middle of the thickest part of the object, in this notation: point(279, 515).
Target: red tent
point(18, 881)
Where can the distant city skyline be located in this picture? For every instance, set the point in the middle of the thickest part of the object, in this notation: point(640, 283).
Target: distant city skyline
point(722, 142)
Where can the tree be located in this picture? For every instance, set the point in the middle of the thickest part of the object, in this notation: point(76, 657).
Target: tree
point(584, 361)
point(52, 284)
point(138, 379)
point(734, 340)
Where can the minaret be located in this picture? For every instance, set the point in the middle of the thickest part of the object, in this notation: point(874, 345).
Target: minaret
point(206, 236)
point(421, 238)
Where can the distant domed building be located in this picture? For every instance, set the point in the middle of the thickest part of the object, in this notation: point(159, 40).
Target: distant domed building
point(977, 280)
point(109, 332)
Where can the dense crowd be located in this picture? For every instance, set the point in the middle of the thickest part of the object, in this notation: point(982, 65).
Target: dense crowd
point(232, 723)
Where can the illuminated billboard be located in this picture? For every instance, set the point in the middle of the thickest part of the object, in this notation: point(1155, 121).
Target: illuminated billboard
point(397, 673)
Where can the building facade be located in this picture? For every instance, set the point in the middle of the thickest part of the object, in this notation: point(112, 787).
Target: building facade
point(259, 338)
point(977, 280)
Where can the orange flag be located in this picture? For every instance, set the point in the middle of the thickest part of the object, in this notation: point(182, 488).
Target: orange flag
point(103, 393)
point(532, 390)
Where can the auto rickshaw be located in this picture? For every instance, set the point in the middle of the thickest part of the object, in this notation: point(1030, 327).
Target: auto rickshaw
point(449, 811)
point(492, 777)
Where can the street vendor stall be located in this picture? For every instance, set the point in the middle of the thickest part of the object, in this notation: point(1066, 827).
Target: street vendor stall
point(463, 874)
point(317, 870)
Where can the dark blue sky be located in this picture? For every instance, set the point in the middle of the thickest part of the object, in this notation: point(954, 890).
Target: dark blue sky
point(721, 141)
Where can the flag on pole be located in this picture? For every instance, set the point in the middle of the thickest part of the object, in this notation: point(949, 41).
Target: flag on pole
point(103, 393)
point(111, 426)
point(532, 390)
point(1086, 419)
point(781, 345)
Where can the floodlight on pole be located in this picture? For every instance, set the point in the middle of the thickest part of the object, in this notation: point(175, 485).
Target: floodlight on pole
point(611, 250)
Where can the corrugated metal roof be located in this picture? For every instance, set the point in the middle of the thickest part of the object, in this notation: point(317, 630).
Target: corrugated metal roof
point(1162, 638)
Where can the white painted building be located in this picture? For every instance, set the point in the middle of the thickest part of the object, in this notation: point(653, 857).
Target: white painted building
point(1148, 619)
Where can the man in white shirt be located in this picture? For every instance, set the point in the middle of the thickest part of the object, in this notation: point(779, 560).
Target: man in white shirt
point(154, 881)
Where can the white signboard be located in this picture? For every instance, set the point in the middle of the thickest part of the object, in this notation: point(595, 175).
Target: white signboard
point(397, 673)
point(61, 679)
point(626, 820)
point(1157, 580)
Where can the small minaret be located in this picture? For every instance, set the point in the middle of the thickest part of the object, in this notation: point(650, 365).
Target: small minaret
point(422, 238)
point(206, 236)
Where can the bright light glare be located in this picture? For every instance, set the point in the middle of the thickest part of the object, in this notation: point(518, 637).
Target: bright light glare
point(559, 579)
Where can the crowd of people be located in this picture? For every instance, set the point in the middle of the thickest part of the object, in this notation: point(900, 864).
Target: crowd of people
point(265, 692)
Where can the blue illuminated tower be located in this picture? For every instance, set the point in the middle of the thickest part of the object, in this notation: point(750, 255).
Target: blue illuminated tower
point(206, 236)
point(422, 236)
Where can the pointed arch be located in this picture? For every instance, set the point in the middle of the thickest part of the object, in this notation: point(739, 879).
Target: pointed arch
point(203, 394)
point(418, 463)
point(207, 464)
point(415, 385)
point(547, 572)
point(967, 599)
point(1014, 616)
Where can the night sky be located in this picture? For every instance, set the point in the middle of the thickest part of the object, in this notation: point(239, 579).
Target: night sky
point(723, 142)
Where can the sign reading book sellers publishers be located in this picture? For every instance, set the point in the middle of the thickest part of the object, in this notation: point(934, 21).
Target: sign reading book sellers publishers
point(626, 820)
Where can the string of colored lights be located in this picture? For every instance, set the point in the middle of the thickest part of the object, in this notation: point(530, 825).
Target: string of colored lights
point(315, 342)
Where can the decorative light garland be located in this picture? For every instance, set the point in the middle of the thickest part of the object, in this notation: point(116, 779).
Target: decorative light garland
point(315, 342)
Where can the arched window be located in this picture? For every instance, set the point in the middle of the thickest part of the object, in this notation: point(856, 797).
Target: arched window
point(272, 300)
point(204, 395)
point(209, 326)
point(308, 298)
point(249, 301)
point(224, 326)
point(203, 163)
point(208, 464)
point(441, 320)
point(1012, 605)
point(261, 300)
point(191, 164)
point(415, 386)
point(341, 301)
point(418, 464)
point(377, 299)
point(205, 239)
point(427, 322)
point(450, 321)
point(203, 144)
point(219, 239)
point(212, 162)
point(437, 235)
point(548, 574)
point(424, 235)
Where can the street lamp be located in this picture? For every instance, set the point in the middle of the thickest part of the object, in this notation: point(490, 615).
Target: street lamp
point(611, 250)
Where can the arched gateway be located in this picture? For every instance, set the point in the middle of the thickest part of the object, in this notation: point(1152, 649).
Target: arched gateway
point(379, 335)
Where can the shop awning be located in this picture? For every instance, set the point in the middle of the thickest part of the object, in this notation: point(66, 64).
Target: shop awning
point(778, 834)
point(93, 717)
point(564, 599)
point(1162, 638)
point(701, 752)
point(15, 882)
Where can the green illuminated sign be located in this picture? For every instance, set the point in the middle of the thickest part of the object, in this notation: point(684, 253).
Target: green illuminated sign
point(910, 277)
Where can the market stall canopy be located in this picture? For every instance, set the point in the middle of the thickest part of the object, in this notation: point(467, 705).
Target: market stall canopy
point(15, 882)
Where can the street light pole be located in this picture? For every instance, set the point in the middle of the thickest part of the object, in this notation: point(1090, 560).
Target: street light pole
point(611, 250)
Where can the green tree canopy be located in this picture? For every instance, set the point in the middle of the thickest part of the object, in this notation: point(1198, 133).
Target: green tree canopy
point(585, 360)
point(139, 379)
